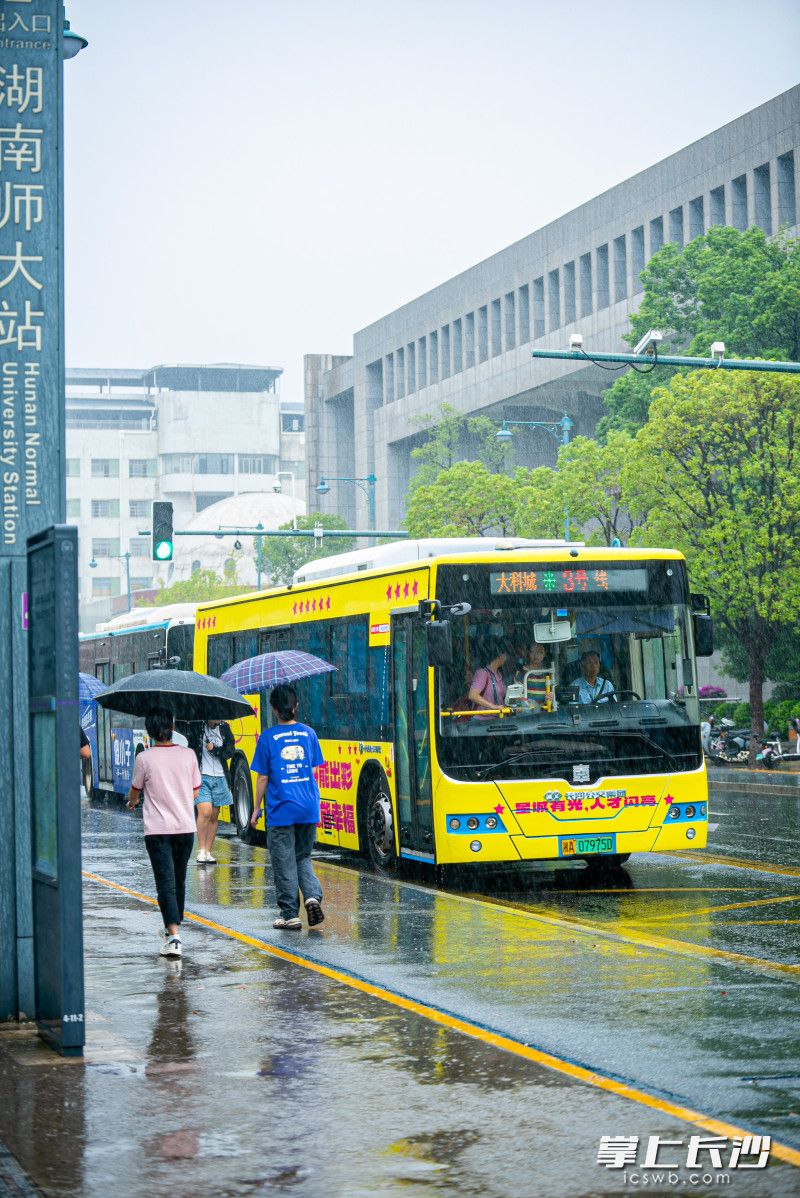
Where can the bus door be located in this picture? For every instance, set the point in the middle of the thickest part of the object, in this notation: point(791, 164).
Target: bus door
point(412, 751)
point(104, 759)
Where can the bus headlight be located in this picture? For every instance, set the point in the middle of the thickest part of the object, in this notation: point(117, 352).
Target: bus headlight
point(702, 808)
point(690, 812)
point(455, 824)
point(674, 813)
point(473, 823)
point(475, 845)
point(690, 833)
point(491, 822)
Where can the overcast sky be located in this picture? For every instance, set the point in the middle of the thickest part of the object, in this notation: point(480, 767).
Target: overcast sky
point(252, 180)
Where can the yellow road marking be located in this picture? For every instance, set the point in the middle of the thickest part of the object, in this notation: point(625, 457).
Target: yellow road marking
point(783, 871)
point(752, 923)
point(765, 902)
point(643, 939)
point(782, 1152)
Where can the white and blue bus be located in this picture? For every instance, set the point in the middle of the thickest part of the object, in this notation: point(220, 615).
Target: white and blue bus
point(158, 638)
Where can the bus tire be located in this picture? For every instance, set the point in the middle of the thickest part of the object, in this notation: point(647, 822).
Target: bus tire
point(376, 824)
point(88, 783)
point(242, 806)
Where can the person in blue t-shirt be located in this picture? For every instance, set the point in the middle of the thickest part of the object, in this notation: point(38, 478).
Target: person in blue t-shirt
point(285, 759)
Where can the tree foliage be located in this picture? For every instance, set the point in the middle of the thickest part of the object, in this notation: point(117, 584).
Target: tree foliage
point(455, 438)
point(716, 473)
point(201, 587)
point(742, 288)
point(281, 556)
point(466, 500)
point(588, 484)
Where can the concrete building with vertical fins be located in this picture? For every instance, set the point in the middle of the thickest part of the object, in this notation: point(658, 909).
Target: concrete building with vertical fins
point(468, 341)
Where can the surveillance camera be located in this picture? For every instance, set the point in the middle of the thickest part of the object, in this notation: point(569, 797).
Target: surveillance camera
point(237, 544)
point(576, 341)
point(718, 350)
point(649, 343)
point(276, 488)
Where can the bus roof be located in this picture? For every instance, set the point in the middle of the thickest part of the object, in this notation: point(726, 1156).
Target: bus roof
point(149, 617)
point(399, 553)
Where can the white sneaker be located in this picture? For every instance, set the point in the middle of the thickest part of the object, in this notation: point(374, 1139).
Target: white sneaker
point(171, 947)
point(209, 859)
point(202, 857)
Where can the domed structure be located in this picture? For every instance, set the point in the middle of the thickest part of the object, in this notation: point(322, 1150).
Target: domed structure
point(204, 552)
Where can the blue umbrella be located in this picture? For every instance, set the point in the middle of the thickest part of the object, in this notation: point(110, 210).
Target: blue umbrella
point(88, 687)
point(269, 669)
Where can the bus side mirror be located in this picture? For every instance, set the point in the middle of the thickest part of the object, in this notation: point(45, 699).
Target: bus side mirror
point(703, 634)
point(439, 637)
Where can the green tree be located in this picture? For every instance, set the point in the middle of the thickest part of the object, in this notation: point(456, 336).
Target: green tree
point(466, 500)
point(716, 473)
point(782, 664)
point(202, 586)
point(742, 288)
point(281, 556)
point(588, 486)
point(455, 438)
point(539, 505)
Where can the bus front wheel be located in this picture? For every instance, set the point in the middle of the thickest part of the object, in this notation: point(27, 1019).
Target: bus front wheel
point(242, 794)
point(377, 825)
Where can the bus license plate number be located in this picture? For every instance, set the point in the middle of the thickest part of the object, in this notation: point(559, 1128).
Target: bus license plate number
point(580, 846)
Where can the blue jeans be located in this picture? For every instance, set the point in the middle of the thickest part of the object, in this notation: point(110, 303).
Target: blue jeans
point(213, 790)
point(290, 852)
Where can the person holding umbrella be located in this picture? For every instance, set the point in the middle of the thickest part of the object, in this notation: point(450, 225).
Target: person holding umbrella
point(285, 759)
point(168, 777)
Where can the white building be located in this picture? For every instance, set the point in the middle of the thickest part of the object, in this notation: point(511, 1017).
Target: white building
point(191, 434)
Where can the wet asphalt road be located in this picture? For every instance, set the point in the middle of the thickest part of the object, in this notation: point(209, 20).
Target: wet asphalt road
point(239, 1073)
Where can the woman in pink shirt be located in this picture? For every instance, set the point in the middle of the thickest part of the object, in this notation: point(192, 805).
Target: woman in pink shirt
point(488, 686)
point(168, 777)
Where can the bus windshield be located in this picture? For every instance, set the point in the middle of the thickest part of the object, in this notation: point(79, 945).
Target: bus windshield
point(557, 665)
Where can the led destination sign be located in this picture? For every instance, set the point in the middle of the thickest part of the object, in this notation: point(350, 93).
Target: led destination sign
point(592, 581)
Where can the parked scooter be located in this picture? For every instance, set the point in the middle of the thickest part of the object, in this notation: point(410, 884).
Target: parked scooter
point(729, 744)
point(771, 753)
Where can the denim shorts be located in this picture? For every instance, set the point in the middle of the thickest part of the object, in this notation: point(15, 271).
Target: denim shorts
point(214, 790)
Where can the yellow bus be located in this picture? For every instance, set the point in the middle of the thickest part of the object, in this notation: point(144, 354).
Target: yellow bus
point(593, 753)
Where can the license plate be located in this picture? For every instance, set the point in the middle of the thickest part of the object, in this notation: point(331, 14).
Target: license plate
point(580, 846)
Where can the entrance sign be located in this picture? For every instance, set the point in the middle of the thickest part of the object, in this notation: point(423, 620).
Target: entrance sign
point(54, 726)
point(32, 455)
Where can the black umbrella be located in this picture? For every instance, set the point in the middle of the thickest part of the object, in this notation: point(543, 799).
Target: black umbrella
point(187, 695)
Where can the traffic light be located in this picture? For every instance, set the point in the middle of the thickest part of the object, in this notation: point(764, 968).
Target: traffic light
point(162, 531)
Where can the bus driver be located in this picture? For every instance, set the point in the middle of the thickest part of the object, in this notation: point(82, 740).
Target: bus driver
point(591, 687)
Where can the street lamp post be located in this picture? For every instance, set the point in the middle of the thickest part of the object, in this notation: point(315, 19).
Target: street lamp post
point(259, 542)
point(367, 485)
point(563, 426)
point(122, 557)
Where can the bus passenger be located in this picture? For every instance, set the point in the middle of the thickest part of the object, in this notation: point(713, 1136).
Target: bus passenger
point(213, 745)
point(591, 687)
point(532, 659)
point(488, 687)
point(285, 759)
point(169, 782)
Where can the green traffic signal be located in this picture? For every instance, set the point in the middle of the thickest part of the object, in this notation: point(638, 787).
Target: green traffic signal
point(162, 531)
